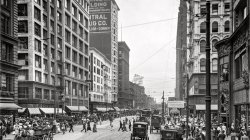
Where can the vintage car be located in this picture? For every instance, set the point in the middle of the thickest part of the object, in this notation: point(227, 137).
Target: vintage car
point(155, 123)
point(140, 130)
point(169, 134)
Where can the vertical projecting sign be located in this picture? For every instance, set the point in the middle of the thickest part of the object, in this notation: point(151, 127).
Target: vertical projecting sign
point(100, 16)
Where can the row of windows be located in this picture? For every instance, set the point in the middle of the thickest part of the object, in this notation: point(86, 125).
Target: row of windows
point(72, 86)
point(215, 27)
point(203, 45)
point(215, 8)
point(76, 58)
point(203, 65)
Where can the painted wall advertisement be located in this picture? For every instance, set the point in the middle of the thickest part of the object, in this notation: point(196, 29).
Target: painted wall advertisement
point(100, 16)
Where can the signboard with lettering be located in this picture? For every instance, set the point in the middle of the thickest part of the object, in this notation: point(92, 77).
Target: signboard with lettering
point(100, 16)
point(175, 104)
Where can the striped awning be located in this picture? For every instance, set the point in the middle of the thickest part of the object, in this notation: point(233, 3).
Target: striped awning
point(102, 109)
point(34, 111)
point(51, 110)
point(203, 107)
point(9, 106)
point(77, 108)
point(117, 109)
point(21, 110)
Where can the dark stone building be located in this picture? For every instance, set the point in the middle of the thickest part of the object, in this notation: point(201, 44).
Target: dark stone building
point(181, 43)
point(8, 57)
point(125, 98)
point(233, 74)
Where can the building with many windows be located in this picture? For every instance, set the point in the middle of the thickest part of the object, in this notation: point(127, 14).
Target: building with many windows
point(233, 72)
point(125, 98)
point(100, 88)
point(196, 50)
point(104, 35)
point(8, 57)
point(53, 52)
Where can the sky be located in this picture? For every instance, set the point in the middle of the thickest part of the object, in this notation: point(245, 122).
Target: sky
point(149, 28)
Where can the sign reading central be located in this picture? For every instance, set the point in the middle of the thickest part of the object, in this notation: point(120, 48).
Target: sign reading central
point(100, 16)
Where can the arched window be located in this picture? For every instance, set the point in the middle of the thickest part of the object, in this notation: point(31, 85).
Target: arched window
point(214, 65)
point(202, 46)
point(213, 47)
point(215, 26)
point(227, 26)
point(203, 65)
point(203, 27)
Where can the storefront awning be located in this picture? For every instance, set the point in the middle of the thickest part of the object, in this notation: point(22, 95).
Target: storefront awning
point(77, 108)
point(203, 107)
point(101, 109)
point(117, 109)
point(21, 110)
point(51, 110)
point(34, 111)
point(9, 106)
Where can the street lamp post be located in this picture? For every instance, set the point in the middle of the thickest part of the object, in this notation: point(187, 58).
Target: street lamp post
point(187, 105)
point(208, 95)
point(163, 109)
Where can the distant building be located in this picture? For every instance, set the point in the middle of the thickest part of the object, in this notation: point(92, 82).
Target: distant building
point(181, 44)
point(100, 86)
point(125, 98)
point(8, 58)
point(53, 52)
point(104, 35)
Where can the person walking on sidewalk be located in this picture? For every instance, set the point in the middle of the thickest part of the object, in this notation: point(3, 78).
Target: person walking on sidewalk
point(120, 128)
point(83, 125)
point(71, 126)
point(88, 125)
point(129, 125)
point(124, 126)
point(94, 127)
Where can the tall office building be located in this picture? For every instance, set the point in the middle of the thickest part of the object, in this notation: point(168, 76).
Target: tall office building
point(53, 52)
point(8, 57)
point(196, 50)
point(104, 35)
point(125, 97)
point(181, 43)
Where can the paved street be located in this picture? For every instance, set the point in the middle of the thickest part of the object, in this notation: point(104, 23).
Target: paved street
point(104, 132)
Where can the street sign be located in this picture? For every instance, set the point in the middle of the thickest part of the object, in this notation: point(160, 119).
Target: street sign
point(176, 104)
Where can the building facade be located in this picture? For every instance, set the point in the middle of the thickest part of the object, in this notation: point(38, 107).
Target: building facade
point(181, 43)
point(8, 58)
point(125, 98)
point(101, 86)
point(196, 51)
point(233, 74)
point(53, 52)
point(104, 35)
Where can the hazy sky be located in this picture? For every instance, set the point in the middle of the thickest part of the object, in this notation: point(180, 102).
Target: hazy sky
point(152, 45)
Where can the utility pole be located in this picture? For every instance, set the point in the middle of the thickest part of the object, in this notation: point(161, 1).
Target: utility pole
point(163, 109)
point(187, 105)
point(208, 86)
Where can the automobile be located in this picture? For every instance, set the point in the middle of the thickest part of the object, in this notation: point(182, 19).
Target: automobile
point(140, 130)
point(144, 119)
point(169, 134)
point(155, 123)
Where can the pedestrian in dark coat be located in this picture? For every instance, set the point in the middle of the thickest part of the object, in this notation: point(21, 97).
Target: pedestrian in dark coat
point(120, 128)
point(129, 125)
point(71, 126)
point(88, 126)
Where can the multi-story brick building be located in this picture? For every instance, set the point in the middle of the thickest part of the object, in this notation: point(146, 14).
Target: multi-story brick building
point(100, 87)
point(196, 52)
point(53, 52)
point(8, 57)
point(104, 34)
point(233, 74)
point(125, 98)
